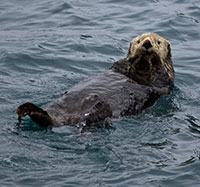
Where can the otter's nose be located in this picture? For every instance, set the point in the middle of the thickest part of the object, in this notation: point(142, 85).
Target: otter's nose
point(147, 44)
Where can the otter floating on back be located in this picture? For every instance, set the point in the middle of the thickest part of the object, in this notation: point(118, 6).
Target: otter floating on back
point(127, 88)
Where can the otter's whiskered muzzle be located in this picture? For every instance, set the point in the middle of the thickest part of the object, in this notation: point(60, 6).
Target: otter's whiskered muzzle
point(147, 44)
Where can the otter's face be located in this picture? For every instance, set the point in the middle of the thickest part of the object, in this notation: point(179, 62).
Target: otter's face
point(150, 56)
point(149, 43)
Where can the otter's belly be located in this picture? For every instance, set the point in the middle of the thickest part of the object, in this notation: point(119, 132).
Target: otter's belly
point(124, 96)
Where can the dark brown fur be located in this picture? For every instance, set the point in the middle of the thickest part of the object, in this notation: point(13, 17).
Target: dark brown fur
point(127, 88)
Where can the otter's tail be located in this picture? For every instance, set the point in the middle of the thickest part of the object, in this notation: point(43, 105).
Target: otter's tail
point(37, 114)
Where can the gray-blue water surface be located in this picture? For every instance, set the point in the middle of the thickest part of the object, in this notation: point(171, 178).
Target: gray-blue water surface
point(48, 46)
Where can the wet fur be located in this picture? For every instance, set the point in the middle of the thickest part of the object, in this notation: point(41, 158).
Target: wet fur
point(127, 88)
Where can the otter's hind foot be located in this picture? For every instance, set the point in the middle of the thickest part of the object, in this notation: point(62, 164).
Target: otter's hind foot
point(37, 114)
point(100, 112)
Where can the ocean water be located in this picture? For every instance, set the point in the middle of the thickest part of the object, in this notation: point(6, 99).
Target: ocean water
point(48, 46)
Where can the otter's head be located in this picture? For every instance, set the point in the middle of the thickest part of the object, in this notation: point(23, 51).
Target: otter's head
point(150, 61)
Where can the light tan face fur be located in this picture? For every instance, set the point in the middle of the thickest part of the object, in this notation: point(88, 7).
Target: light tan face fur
point(150, 57)
point(159, 45)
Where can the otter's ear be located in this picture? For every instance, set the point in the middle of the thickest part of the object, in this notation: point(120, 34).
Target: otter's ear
point(169, 55)
point(129, 49)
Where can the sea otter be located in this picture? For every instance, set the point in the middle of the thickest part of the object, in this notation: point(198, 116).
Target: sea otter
point(127, 88)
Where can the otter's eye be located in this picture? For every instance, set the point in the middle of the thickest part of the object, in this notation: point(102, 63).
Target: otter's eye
point(138, 41)
point(159, 42)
